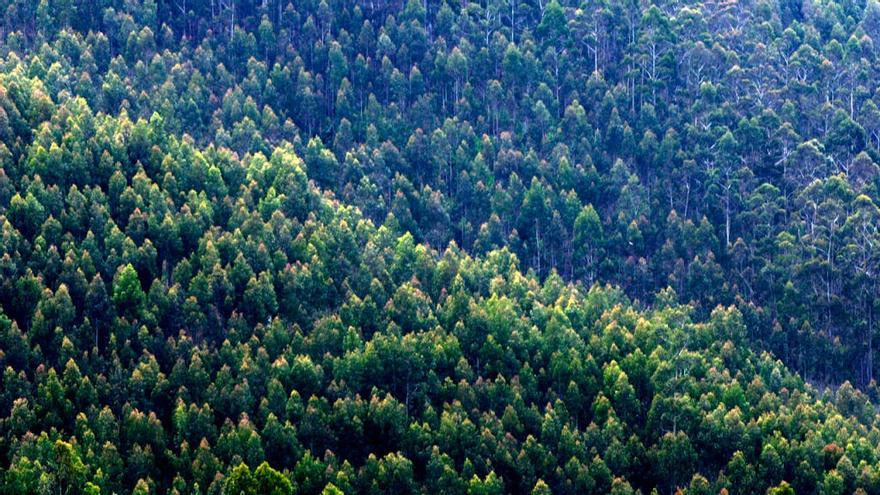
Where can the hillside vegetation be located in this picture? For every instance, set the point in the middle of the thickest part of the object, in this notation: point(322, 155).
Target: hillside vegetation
point(441, 247)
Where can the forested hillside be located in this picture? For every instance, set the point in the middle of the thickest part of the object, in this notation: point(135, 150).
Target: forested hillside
point(516, 246)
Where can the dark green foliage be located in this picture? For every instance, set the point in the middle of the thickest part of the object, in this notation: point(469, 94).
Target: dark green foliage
point(438, 247)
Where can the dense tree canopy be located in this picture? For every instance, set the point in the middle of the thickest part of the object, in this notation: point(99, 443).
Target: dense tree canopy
point(450, 247)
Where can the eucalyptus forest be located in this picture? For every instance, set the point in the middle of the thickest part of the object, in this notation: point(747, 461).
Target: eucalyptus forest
point(463, 247)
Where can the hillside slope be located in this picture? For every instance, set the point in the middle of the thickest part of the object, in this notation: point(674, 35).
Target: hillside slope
point(438, 247)
point(174, 322)
point(726, 149)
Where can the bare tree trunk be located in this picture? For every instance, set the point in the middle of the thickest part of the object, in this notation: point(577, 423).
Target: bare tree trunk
point(870, 341)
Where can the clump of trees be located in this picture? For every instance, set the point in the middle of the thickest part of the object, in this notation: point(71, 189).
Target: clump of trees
point(727, 150)
point(195, 321)
point(337, 247)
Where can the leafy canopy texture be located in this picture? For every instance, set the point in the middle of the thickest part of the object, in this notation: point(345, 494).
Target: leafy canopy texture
point(331, 247)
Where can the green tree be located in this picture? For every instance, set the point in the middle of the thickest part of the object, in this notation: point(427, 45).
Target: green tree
point(589, 240)
point(70, 472)
point(128, 296)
